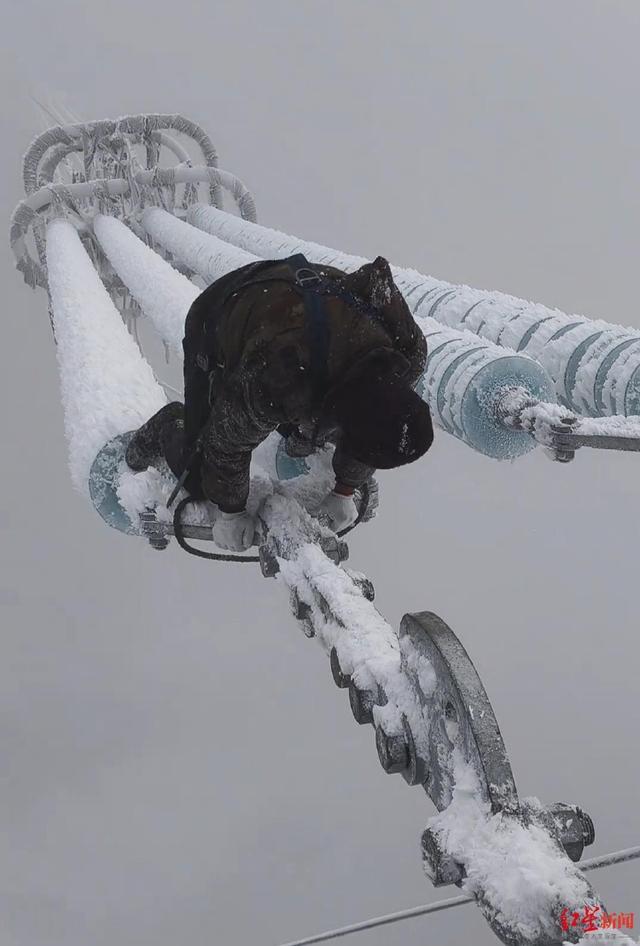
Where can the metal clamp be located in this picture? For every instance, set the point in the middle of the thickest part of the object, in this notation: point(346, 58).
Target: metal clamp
point(560, 431)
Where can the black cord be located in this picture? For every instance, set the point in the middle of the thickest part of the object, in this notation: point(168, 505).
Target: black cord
point(192, 550)
point(251, 559)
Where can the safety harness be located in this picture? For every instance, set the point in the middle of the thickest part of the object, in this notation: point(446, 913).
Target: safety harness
point(315, 288)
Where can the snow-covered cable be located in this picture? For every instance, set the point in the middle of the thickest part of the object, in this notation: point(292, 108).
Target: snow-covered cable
point(265, 242)
point(107, 386)
point(162, 293)
point(203, 253)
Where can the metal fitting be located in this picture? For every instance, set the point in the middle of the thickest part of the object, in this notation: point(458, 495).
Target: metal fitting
point(392, 751)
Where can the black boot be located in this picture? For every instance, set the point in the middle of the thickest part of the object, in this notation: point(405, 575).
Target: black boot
point(146, 444)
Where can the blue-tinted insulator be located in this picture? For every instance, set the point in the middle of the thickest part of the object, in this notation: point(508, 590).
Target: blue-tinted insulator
point(103, 483)
point(288, 467)
point(463, 384)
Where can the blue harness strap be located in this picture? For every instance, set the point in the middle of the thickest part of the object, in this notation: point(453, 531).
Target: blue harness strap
point(318, 330)
point(310, 284)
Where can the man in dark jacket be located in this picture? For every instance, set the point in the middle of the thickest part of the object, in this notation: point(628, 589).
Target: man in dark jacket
point(319, 355)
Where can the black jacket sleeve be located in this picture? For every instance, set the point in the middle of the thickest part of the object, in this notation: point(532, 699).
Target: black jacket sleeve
point(349, 471)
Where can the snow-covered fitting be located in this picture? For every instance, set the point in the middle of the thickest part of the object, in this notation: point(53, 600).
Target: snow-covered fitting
point(99, 165)
point(85, 136)
point(107, 386)
point(435, 726)
point(465, 376)
point(595, 365)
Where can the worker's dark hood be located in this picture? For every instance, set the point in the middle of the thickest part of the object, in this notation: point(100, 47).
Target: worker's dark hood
point(384, 422)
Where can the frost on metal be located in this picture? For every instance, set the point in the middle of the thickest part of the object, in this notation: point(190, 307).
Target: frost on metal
point(114, 167)
point(162, 293)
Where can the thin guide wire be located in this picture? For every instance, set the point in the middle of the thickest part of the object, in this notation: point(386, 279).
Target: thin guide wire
point(593, 863)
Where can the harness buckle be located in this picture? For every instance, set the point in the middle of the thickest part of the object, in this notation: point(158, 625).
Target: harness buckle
point(307, 277)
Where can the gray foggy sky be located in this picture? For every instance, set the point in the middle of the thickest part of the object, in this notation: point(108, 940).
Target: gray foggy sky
point(178, 767)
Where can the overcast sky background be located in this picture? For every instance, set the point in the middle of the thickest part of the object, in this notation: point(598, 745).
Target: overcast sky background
point(177, 766)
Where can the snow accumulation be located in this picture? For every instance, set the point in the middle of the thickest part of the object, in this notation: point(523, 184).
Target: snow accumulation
point(151, 489)
point(107, 386)
point(367, 646)
point(517, 869)
point(618, 426)
point(164, 294)
point(204, 254)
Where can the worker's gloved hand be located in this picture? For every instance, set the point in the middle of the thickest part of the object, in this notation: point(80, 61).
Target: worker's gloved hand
point(234, 531)
point(339, 511)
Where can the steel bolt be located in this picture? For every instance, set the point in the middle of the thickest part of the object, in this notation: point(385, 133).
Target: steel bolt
point(302, 613)
point(574, 828)
point(361, 702)
point(588, 827)
point(268, 562)
point(440, 868)
point(393, 751)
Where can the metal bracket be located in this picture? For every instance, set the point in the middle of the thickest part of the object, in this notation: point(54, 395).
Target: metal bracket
point(560, 431)
point(569, 439)
point(457, 709)
point(334, 548)
point(456, 715)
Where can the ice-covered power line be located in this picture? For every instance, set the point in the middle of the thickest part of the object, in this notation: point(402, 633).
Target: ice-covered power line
point(164, 294)
point(593, 863)
point(107, 386)
point(203, 253)
point(381, 921)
